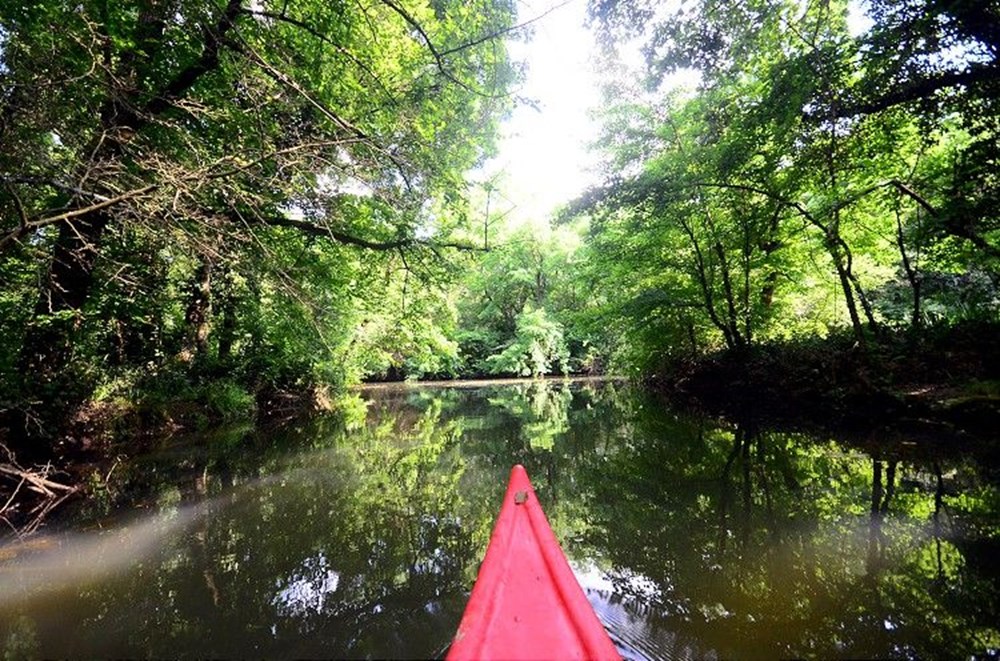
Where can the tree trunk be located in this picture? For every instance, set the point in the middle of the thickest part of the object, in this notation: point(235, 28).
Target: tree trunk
point(199, 313)
point(845, 284)
point(227, 327)
point(540, 287)
point(702, 275)
point(48, 342)
point(911, 272)
point(890, 485)
point(768, 290)
point(866, 305)
point(732, 318)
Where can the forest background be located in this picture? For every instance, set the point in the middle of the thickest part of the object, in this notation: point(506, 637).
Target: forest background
point(212, 209)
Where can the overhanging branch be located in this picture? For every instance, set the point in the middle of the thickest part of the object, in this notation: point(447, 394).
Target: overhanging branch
point(921, 89)
point(207, 61)
point(435, 53)
point(27, 226)
point(324, 231)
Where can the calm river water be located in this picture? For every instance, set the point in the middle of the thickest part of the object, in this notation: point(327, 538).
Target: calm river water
point(358, 534)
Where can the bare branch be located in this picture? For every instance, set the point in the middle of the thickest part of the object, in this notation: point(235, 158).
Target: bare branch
point(39, 481)
point(499, 33)
point(45, 221)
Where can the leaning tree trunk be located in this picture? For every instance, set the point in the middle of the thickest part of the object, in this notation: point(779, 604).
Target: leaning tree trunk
point(49, 393)
point(844, 275)
point(911, 272)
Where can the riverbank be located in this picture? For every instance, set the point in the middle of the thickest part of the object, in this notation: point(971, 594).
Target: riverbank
point(948, 376)
point(77, 455)
point(485, 382)
point(47, 461)
point(944, 384)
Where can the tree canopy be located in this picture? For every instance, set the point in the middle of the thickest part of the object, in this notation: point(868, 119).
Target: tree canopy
point(817, 173)
point(183, 180)
point(278, 195)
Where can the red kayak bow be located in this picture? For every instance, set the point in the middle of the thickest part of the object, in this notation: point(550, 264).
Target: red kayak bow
point(526, 603)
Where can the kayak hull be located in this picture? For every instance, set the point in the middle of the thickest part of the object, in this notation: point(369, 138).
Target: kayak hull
point(526, 603)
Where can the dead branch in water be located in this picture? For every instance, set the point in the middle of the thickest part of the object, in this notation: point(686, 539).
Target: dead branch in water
point(29, 495)
point(38, 480)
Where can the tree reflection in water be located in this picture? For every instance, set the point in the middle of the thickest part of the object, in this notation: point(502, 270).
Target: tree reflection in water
point(359, 534)
point(779, 544)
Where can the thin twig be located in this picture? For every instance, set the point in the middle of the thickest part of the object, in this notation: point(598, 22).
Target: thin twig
point(12, 496)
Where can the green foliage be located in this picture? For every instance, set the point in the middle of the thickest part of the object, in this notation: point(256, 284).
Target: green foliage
point(229, 401)
point(408, 332)
point(537, 348)
point(236, 189)
point(272, 195)
point(523, 307)
point(813, 179)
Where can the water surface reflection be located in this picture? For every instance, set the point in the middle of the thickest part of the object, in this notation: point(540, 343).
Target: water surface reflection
point(359, 534)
